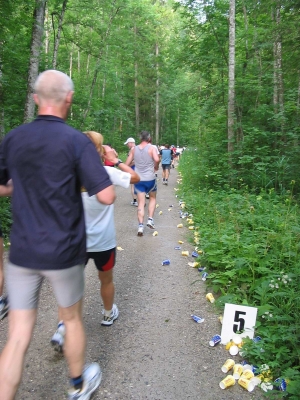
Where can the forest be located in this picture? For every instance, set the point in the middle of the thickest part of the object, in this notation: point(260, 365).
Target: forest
point(220, 77)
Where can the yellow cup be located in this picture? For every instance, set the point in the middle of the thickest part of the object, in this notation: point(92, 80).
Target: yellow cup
point(160, 213)
point(179, 225)
point(191, 228)
point(227, 382)
point(155, 233)
point(185, 253)
point(237, 371)
point(246, 384)
point(227, 365)
point(228, 345)
point(248, 374)
point(210, 297)
point(180, 242)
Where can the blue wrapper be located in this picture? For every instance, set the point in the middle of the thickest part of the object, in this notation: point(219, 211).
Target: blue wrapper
point(204, 276)
point(197, 319)
point(215, 340)
point(195, 254)
point(256, 339)
point(177, 248)
point(201, 269)
point(166, 262)
point(280, 384)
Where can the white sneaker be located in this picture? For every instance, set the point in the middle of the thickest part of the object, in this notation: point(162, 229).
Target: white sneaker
point(140, 230)
point(150, 223)
point(58, 338)
point(107, 321)
point(92, 376)
point(134, 203)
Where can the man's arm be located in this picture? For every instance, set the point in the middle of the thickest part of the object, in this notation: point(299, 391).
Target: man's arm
point(130, 157)
point(110, 156)
point(6, 190)
point(106, 196)
point(155, 157)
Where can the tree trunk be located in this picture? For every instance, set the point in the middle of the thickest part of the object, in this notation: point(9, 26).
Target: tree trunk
point(136, 98)
point(231, 78)
point(113, 14)
point(278, 77)
point(57, 36)
point(2, 127)
point(157, 96)
point(36, 43)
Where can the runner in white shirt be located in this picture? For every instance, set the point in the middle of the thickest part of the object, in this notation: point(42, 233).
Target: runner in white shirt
point(101, 235)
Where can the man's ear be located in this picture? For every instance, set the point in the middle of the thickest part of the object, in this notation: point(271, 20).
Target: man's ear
point(69, 97)
point(35, 98)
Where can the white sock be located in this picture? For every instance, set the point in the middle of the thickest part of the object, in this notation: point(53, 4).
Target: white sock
point(107, 313)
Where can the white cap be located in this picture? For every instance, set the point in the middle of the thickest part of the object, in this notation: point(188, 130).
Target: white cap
point(130, 140)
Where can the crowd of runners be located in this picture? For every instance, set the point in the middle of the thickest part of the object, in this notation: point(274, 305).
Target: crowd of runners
point(62, 187)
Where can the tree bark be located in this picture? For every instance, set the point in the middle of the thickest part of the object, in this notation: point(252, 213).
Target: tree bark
point(231, 78)
point(57, 36)
point(35, 49)
point(157, 96)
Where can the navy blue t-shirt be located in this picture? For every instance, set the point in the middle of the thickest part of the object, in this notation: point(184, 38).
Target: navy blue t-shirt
point(48, 162)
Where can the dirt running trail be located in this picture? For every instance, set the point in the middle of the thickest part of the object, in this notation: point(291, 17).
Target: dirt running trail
point(154, 350)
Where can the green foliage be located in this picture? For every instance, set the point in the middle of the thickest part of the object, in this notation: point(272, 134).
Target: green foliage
point(251, 249)
point(5, 217)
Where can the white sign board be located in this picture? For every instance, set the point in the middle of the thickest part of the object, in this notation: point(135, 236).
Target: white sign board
point(238, 318)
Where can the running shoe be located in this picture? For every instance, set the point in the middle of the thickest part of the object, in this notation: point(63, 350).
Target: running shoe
point(109, 320)
point(147, 196)
point(3, 307)
point(150, 223)
point(58, 338)
point(140, 230)
point(134, 203)
point(92, 376)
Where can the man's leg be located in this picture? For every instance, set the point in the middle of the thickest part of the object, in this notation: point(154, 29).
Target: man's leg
point(1, 267)
point(141, 207)
point(167, 173)
point(152, 204)
point(74, 345)
point(21, 324)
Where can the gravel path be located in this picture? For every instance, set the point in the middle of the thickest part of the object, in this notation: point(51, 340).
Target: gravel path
point(154, 350)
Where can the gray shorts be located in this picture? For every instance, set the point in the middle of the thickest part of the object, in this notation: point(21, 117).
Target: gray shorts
point(24, 284)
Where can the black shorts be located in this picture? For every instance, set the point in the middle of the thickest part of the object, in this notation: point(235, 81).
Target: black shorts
point(104, 260)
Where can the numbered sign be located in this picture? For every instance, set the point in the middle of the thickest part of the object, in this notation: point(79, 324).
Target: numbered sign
point(238, 319)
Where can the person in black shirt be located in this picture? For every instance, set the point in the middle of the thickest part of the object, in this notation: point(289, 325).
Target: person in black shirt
point(49, 162)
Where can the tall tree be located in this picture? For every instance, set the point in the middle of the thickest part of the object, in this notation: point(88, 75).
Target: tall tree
point(231, 78)
point(35, 49)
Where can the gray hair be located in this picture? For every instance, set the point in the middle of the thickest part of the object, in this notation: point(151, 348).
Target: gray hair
point(53, 86)
point(145, 136)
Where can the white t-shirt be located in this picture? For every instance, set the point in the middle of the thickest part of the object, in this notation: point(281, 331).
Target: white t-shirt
point(99, 218)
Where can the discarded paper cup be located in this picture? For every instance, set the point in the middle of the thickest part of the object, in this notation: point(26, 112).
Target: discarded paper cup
point(246, 384)
point(160, 213)
point(227, 382)
point(155, 233)
point(237, 339)
point(227, 365)
point(255, 380)
point(185, 253)
point(179, 225)
point(233, 350)
point(210, 297)
point(237, 371)
point(180, 242)
point(191, 228)
point(248, 374)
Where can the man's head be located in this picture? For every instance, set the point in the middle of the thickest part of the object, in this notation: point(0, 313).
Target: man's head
point(53, 93)
point(167, 146)
point(145, 136)
point(130, 142)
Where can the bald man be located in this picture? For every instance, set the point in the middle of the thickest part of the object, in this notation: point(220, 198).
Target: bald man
point(49, 162)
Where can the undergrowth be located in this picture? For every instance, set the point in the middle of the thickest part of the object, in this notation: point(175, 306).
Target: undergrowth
point(251, 249)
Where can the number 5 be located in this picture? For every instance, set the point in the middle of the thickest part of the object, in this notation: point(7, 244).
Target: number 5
point(240, 321)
